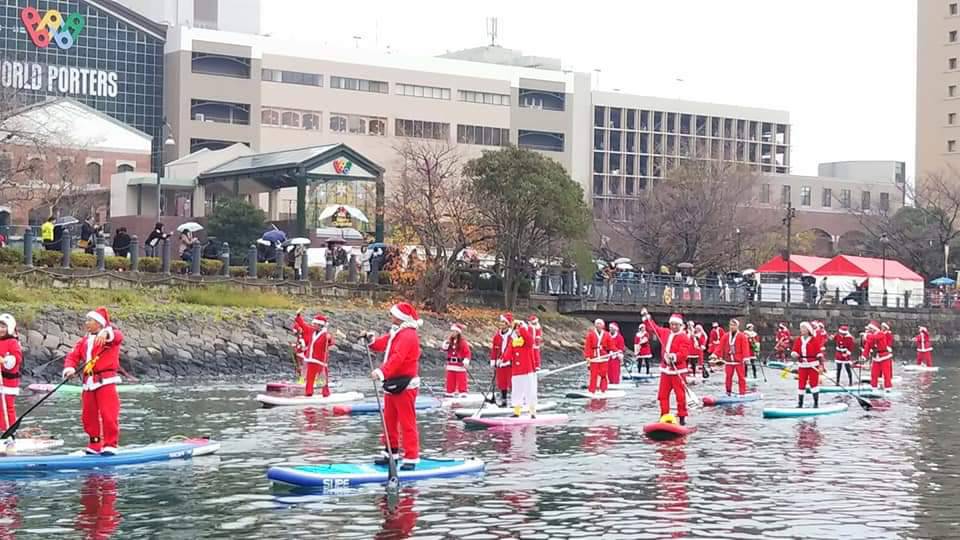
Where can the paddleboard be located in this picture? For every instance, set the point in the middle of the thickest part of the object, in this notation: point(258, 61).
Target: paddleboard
point(897, 379)
point(793, 412)
point(271, 400)
point(347, 475)
point(370, 407)
point(616, 386)
point(523, 420)
point(914, 367)
point(710, 401)
point(468, 400)
point(293, 388)
point(776, 364)
point(28, 445)
point(583, 394)
point(126, 456)
point(75, 389)
point(638, 377)
point(862, 391)
point(493, 411)
point(660, 431)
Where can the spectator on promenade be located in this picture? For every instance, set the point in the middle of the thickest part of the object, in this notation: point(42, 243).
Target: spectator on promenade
point(46, 233)
point(121, 242)
point(153, 240)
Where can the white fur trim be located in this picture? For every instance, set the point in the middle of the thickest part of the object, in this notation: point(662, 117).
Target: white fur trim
point(11, 323)
point(598, 321)
point(455, 328)
point(97, 317)
point(9, 391)
point(89, 385)
point(807, 325)
point(675, 319)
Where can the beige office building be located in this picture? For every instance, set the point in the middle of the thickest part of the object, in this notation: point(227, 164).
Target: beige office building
point(938, 87)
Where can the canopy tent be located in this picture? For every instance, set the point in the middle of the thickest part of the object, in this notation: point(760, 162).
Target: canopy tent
point(799, 264)
point(846, 272)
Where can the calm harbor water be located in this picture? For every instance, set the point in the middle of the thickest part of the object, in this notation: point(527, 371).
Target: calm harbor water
point(883, 474)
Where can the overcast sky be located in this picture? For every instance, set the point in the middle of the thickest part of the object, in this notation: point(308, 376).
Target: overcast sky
point(844, 69)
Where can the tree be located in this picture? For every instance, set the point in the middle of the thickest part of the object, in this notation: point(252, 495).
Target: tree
point(532, 206)
point(691, 216)
point(433, 202)
point(238, 223)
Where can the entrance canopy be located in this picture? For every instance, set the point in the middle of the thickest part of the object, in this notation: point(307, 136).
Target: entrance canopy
point(297, 168)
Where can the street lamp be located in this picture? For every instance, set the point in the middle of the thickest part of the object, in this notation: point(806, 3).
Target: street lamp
point(738, 249)
point(168, 143)
point(883, 255)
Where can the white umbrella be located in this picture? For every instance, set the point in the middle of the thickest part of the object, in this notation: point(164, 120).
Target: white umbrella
point(621, 260)
point(263, 242)
point(352, 211)
point(299, 241)
point(624, 266)
point(190, 226)
point(748, 271)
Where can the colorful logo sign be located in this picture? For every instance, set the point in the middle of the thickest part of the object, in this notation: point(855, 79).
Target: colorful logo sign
point(53, 26)
point(342, 166)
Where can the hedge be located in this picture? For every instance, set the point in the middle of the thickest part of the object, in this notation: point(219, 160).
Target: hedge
point(10, 257)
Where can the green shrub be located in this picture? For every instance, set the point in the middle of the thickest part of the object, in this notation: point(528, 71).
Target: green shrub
point(10, 257)
point(385, 278)
point(47, 258)
point(523, 291)
point(316, 273)
point(210, 267)
point(238, 271)
point(117, 263)
point(10, 291)
point(83, 260)
point(149, 264)
point(179, 267)
point(266, 270)
point(222, 296)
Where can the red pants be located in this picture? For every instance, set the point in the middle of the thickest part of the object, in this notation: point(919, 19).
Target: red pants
point(504, 376)
point(100, 413)
point(672, 383)
point(925, 358)
point(613, 370)
point(882, 368)
point(808, 375)
point(536, 359)
point(313, 370)
point(598, 374)
point(400, 415)
point(456, 382)
point(741, 371)
point(9, 410)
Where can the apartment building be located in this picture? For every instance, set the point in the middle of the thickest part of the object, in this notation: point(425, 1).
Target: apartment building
point(938, 87)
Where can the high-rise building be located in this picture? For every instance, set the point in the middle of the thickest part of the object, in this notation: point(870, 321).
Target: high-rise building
point(229, 15)
point(938, 88)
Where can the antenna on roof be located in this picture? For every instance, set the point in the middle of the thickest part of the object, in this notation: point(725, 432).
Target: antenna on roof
point(493, 24)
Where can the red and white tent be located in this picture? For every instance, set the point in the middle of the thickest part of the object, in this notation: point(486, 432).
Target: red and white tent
point(799, 264)
point(846, 273)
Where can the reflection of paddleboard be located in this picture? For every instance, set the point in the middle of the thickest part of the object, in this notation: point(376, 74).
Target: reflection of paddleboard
point(662, 431)
point(492, 410)
point(293, 388)
point(271, 400)
point(731, 400)
point(27, 445)
point(915, 367)
point(423, 402)
point(523, 420)
point(345, 475)
point(616, 386)
point(76, 389)
point(793, 412)
point(583, 394)
point(126, 456)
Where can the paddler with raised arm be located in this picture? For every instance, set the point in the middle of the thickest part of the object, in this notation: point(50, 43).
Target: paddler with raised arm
point(11, 358)
point(499, 360)
point(316, 355)
point(524, 380)
point(675, 346)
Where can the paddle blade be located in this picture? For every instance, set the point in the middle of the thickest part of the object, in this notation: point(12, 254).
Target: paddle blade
point(864, 404)
point(393, 481)
point(784, 373)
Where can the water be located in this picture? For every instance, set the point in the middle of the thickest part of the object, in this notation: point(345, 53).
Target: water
point(884, 474)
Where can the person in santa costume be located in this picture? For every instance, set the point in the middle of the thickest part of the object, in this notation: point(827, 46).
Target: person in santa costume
point(674, 349)
point(808, 353)
point(879, 349)
point(617, 346)
point(537, 340)
point(596, 351)
point(11, 358)
point(299, 353)
point(693, 355)
point(641, 349)
point(844, 344)
point(734, 351)
point(924, 347)
point(400, 375)
point(317, 353)
point(97, 357)
point(701, 342)
point(783, 341)
point(754, 339)
point(458, 360)
point(500, 361)
point(523, 382)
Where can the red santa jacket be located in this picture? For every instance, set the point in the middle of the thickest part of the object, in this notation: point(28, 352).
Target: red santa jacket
point(674, 348)
point(641, 344)
point(458, 351)
point(299, 345)
point(317, 342)
point(102, 363)
point(597, 344)
point(783, 338)
point(401, 355)
point(716, 334)
point(617, 345)
point(700, 343)
point(808, 350)
point(498, 351)
point(537, 342)
point(878, 344)
point(922, 340)
point(735, 348)
point(11, 358)
point(843, 345)
point(520, 349)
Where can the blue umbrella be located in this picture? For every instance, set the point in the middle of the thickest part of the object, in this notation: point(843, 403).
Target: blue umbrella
point(942, 281)
point(275, 235)
point(377, 245)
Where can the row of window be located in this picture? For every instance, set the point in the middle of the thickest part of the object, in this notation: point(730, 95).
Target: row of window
point(689, 124)
point(414, 90)
point(674, 145)
point(64, 166)
point(291, 77)
point(827, 197)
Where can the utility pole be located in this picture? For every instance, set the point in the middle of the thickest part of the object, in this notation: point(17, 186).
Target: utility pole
point(788, 221)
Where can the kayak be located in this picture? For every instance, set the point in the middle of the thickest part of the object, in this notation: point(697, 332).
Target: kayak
point(914, 367)
point(466, 400)
point(793, 412)
point(523, 420)
point(269, 400)
point(710, 401)
point(617, 386)
point(27, 445)
point(492, 410)
point(661, 431)
point(292, 387)
point(347, 475)
point(369, 407)
point(638, 377)
point(583, 394)
point(75, 389)
point(126, 456)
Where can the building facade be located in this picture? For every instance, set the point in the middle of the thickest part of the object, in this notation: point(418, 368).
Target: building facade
point(880, 173)
point(938, 88)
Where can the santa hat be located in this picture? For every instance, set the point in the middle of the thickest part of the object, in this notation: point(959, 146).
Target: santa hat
point(676, 318)
point(782, 326)
point(873, 326)
point(7, 320)
point(320, 319)
point(101, 316)
point(715, 324)
point(806, 325)
point(735, 322)
point(749, 326)
point(406, 313)
point(456, 327)
point(599, 321)
point(923, 329)
point(885, 326)
point(507, 317)
point(844, 329)
point(699, 328)
point(614, 325)
point(533, 319)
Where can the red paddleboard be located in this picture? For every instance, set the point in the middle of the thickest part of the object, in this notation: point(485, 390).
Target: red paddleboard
point(525, 420)
point(660, 431)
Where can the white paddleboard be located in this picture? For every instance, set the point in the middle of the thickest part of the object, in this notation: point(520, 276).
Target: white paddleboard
point(493, 411)
point(29, 445)
point(272, 400)
point(468, 400)
point(914, 367)
point(583, 394)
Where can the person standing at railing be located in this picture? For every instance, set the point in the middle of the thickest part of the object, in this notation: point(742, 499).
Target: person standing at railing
point(924, 347)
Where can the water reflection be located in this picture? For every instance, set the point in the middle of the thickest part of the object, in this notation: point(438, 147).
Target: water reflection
point(399, 516)
point(98, 517)
point(672, 480)
point(11, 518)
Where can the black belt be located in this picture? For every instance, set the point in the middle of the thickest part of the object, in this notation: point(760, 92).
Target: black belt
point(455, 360)
point(10, 376)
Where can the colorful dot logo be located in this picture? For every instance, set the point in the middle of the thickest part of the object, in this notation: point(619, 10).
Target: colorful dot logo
point(342, 166)
point(52, 27)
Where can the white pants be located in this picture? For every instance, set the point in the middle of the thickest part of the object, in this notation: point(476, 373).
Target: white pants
point(524, 391)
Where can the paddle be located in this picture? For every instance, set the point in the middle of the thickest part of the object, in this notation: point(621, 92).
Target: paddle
point(16, 425)
point(692, 399)
point(762, 372)
point(393, 480)
point(479, 410)
point(864, 404)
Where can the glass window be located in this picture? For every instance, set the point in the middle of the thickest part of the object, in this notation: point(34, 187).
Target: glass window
point(845, 198)
point(357, 125)
point(884, 202)
point(785, 195)
point(93, 170)
point(805, 195)
point(827, 197)
point(865, 200)
point(270, 117)
point(597, 184)
point(124, 168)
point(290, 119)
point(338, 124)
point(765, 193)
point(311, 121)
point(378, 127)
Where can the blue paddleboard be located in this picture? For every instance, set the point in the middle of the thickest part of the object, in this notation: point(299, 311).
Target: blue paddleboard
point(127, 456)
point(732, 400)
point(346, 475)
point(423, 402)
point(793, 412)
